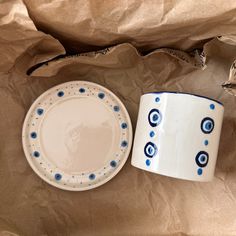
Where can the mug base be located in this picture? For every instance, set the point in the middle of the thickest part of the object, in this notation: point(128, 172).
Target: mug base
point(175, 176)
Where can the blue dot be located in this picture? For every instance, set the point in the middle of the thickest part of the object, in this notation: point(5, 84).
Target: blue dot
point(40, 111)
point(33, 135)
point(152, 134)
point(116, 108)
point(92, 176)
point(155, 117)
point(60, 94)
point(157, 99)
point(202, 158)
point(36, 154)
point(212, 106)
point(101, 95)
point(124, 143)
point(113, 163)
point(199, 171)
point(148, 162)
point(81, 90)
point(124, 125)
point(150, 150)
point(58, 176)
point(206, 142)
point(208, 125)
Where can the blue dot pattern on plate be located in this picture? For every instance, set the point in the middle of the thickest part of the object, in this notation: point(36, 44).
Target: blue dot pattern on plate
point(199, 171)
point(124, 143)
point(150, 149)
point(207, 125)
point(36, 154)
point(81, 90)
point(40, 111)
point(124, 125)
point(101, 95)
point(60, 94)
point(206, 142)
point(152, 134)
point(33, 135)
point(92, 176)
point(154, 117)
point(113, 164)
point(212, 106)
point(116, 108)
point(148, 162)
point(202, 159)
point(157, 99)
point(58, 176)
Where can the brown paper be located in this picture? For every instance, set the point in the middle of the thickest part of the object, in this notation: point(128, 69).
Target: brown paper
point(81, 25)
point(135, 202)
point(230, 84)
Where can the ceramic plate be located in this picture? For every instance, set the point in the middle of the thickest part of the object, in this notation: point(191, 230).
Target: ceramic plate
point(77, 135)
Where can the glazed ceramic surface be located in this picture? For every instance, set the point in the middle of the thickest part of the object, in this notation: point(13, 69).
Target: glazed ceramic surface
point(77, 135)
point(178, 135)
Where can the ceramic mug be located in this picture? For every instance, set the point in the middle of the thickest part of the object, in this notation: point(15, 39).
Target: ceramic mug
point(178, 135)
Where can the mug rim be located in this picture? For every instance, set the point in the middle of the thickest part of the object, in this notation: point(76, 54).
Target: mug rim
point(185, 93)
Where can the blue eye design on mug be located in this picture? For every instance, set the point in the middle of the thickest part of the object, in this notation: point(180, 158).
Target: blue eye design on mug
point(150, 149)
point(154, 117)
point(202, 159)
point(207, 125)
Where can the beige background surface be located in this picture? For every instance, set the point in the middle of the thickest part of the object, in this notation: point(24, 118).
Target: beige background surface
point(134, 202)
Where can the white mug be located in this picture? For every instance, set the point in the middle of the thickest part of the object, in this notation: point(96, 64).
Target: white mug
point(178, 135)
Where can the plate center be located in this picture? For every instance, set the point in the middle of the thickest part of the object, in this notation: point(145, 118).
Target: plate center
point(79, 134)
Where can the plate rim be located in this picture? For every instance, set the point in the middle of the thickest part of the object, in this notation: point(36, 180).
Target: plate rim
point(65, 187)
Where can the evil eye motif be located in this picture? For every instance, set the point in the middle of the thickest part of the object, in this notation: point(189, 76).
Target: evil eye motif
point(82, 90)
point(92, 176)
point(124, 125)
point(207, 125)
point(154, 117)
point(124, 143)
point(39, 111)
point(101, 95)
point(113, 164)
point(58, 176)
point(202, 159)
point(60, 94)
point(36, 154)
point(116, 108)
point(150, 149)
point(33, 135)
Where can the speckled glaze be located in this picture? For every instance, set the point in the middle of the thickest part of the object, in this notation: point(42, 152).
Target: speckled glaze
point(77, 135)
point(178, 135)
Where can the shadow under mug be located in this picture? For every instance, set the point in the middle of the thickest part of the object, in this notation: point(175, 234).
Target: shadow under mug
point(178, 135)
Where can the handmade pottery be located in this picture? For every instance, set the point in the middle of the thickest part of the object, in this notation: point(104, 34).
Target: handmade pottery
point(77, 135)
point(178, 135)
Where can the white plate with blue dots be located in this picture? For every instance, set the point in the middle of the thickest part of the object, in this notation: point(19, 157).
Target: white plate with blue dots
point(77, 136)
